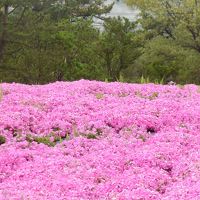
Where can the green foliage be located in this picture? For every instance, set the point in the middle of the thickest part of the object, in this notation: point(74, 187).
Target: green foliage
point(161, 57)
point(121, 78)
point(50, 140)
point(50, 40)
point(119, 46)
point(2, 139)
point(44, 140)
point(172, 39)
point(160, 82)
point(91, 136)
point(144, 80)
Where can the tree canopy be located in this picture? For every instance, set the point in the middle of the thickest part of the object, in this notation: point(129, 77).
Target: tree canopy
point(172, 33)
point(43, 41)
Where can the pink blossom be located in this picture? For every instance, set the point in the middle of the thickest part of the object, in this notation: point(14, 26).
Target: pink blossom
point(111, 141)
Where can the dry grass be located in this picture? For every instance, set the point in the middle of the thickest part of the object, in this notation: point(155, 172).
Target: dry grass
point(198, 90)
point(99, 96)
point(1, 93)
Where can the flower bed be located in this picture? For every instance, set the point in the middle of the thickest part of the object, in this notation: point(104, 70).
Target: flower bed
point(92, 140)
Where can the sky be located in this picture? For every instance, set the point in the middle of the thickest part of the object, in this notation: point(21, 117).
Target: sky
point(119, 9)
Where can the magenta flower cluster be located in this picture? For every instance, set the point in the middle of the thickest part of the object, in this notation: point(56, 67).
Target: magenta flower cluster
point(117, 141)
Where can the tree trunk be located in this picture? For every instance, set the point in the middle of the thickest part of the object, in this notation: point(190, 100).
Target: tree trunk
point(59, 75)
point(121, 66)
point(3, 36)
point(108, 58)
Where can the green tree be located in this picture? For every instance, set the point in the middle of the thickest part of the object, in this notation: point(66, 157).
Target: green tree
point(74, 9)
point(78, 44)
point(172, 29)
point(119, 46)
point(30, 49)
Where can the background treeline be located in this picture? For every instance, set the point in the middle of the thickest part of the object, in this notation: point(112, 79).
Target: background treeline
point(43, 41)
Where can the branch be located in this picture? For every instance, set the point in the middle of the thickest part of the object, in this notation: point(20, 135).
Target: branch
point(13, 10)
point(19, 43)
point(100, 17)
point(22, 15)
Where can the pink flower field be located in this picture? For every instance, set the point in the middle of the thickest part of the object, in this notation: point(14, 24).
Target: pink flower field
point(89, 140)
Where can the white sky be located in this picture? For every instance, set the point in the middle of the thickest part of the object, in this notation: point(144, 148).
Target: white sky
point(119, 9)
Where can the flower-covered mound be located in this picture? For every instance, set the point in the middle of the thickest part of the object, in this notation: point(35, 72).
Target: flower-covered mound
point(89, 140)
